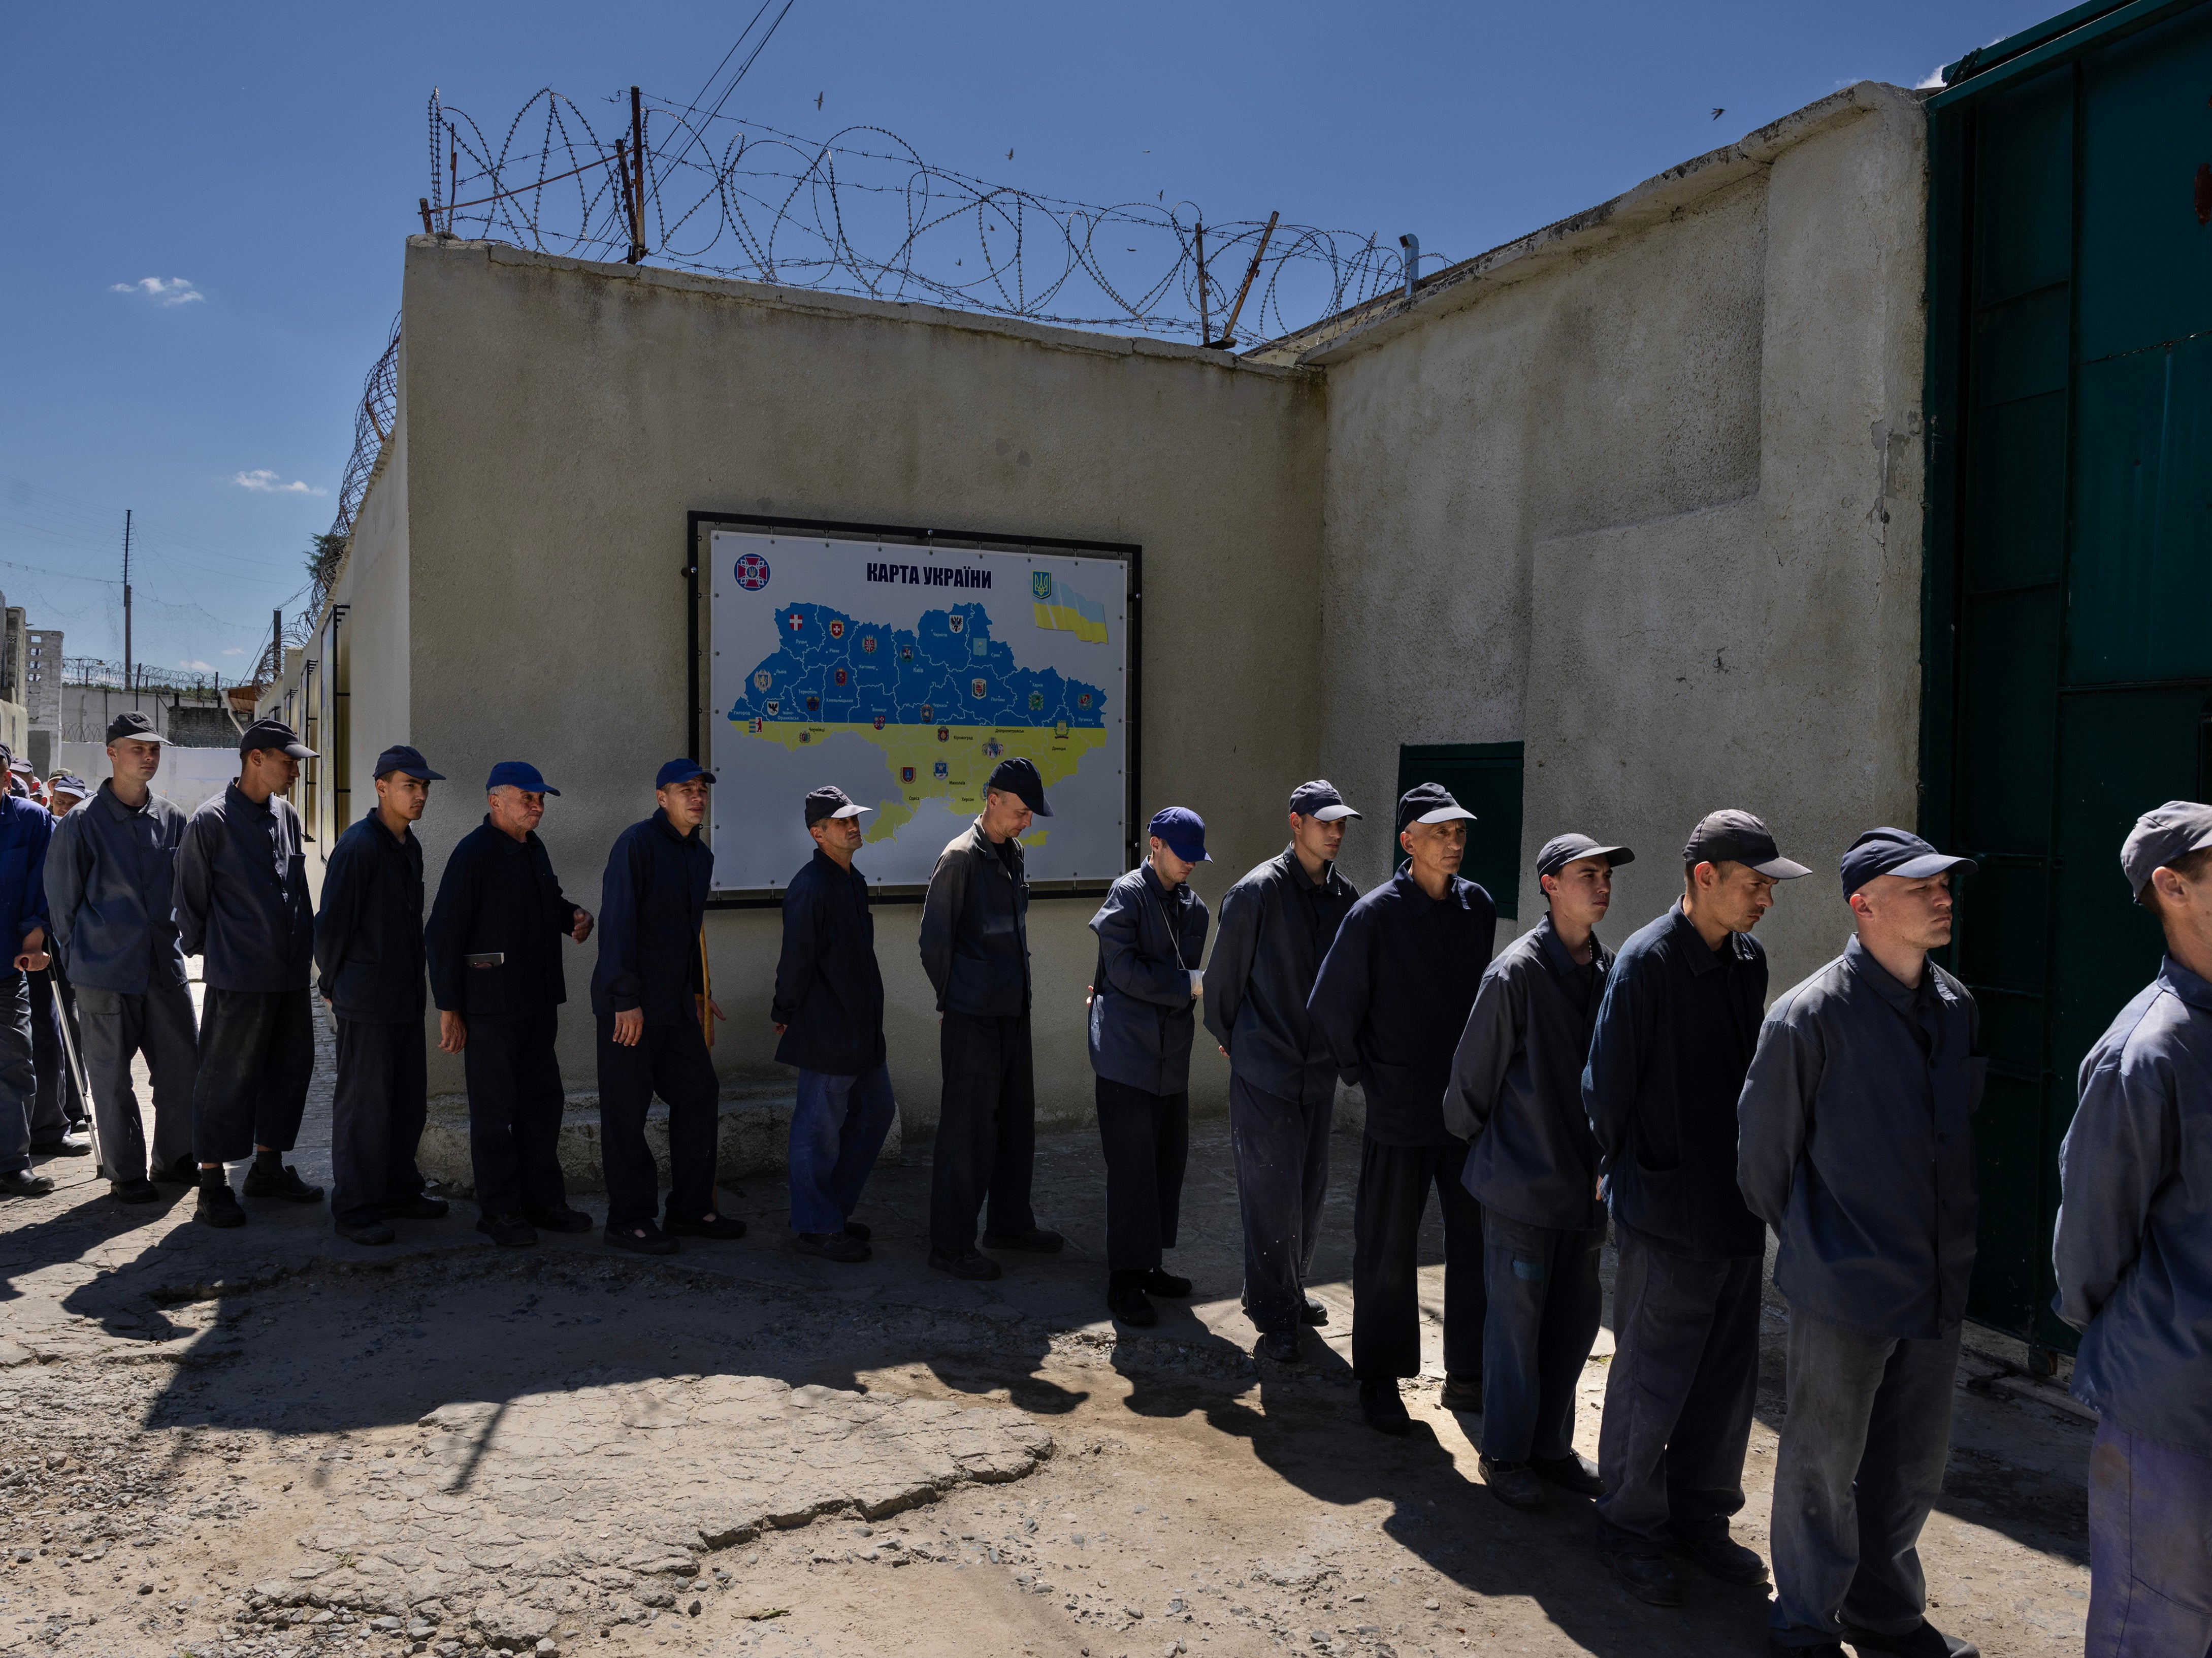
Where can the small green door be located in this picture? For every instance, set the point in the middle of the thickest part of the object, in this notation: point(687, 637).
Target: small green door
point(2069, 637)
point(1485, 779)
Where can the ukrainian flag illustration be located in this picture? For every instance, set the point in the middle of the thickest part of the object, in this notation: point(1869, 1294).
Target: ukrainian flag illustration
point(1061, 609)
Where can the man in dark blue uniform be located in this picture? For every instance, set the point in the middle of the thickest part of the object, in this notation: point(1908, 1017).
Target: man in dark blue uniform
point(1152, 938)
point(368, 949)
point(242, 907)
point(1856, 1144)
point(495, 946)
point(1391, 1000)
point(1276, 924)
point(25, 829)
point(649, 993)
point(828, 1015)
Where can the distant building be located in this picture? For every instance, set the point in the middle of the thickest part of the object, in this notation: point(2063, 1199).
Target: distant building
point(42, 694)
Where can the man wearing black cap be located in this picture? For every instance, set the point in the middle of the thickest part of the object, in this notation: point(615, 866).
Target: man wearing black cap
point(1151, 938)
point(651, 996)
point(829, 1016)
point(975, 948)
point(242, 907)
point(1276, 924)
point(1515, 1095)
point(368, 948)
point(52, 994)
point(25, 832)
point(493, 942)
point(1674, 1037)
point(1390, 1000)
point(2134, 1259)
point(1855, 1143)
point(111, 879)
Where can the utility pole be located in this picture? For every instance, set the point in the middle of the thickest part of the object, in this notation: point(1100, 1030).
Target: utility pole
point(127, 599)
point(637, 179)
point(1205, 328)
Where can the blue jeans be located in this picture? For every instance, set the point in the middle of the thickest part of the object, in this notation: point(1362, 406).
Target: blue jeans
point(836, 1132)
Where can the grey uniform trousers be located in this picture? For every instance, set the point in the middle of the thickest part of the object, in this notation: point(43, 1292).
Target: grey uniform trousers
point(116, 1027)
point(1537, 1333)
point(1861, 1463)
point(19, 1082)
point(1282, 1176)
point(60, 1107)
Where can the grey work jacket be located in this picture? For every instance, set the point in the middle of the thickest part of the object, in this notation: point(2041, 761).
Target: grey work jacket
point(1855, 1142)
point(1276, 927)
point(974, 927)
point(242, 904)
point(2133, 1249)
point(111, 875)
point(1149, 938)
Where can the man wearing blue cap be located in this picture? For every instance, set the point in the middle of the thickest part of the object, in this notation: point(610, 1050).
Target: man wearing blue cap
point(975, 948)
point(494, 948)
point(828, 1018)
point(110, 873)
point(242, 908)
point(2134, 1259)
point(1391, 999)
point(1856, 1144)
point(1516, 1097)
point(25, 831)
point(1276, 924)
point(650, 998)
point(368, 949)
point(1151, 938)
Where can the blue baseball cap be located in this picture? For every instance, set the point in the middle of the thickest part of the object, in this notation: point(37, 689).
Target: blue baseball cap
point(681, 771)
point(408, 762)
point(1183, 833)
point(518, 775)
point(1892, 852)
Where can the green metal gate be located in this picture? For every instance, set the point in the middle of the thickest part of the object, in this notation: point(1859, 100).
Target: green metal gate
point(2069, 599)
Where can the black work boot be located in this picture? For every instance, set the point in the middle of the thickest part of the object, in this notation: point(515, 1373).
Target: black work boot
point(218, 1204)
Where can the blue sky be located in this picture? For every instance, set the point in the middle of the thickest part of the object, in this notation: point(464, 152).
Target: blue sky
point(210, 202)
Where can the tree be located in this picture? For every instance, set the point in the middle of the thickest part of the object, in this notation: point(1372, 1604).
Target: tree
point(325, 556)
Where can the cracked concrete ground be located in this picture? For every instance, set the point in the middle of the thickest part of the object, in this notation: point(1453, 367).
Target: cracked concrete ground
point(271, 1441)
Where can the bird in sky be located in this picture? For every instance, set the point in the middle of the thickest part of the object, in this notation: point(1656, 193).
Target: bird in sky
point(818, 101)
point(1010, 154)
point(1718, 114)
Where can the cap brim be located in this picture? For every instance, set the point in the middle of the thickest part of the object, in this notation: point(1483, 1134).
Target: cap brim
point(141, 736)
point(850, 811)
point(1934, 863)
point(1330, 814)
point(1780, 869)
point(1189, 854)
point(1042, 809)
point(424, 776)
point(1615, 856)
point(1445, 815)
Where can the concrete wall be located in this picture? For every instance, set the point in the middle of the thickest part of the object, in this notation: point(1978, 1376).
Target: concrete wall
point(1642, 492)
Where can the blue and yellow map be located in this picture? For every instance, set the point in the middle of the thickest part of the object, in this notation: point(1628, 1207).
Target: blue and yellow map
point(943, 701)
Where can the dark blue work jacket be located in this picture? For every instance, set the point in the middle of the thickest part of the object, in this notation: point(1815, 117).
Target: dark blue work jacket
point(1276, 926)
point(1142, 1016)
point(25, 827)
point(499, 897)
point(242, 903)
point(368, 934)
point(975, 926)
point(111, 879)
point(1856, 1144)
point(652, 903)
point(828, 990)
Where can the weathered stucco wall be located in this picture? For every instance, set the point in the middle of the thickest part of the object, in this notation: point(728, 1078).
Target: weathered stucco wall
point(1642, 493)
point(377, 677)
point(562, 418)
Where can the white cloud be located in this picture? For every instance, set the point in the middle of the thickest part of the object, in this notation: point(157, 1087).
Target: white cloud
point(162, 290)
point(235, 650)
point(1932, 80)
point(264, 482)
point(198, 667)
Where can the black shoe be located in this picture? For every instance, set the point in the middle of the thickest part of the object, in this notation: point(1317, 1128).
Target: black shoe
point(421, 1206)
point(365, 1231)
point(22, 1183)
point(1462, 1392)
point(1926, 1641)
point(1384, 1411)
point(1166, 1285)
point(1314, 1313)
point(183, 1172)
point(855, 1229)
point(968, 1264)
point(508, 1231)
point(1776, 1643)
point(1644, 1576)
point(70, 1145)
point(218, 1204)
point(1721, 1555)
point(832, 1246)
point(647, 1240)
point(725, 1227)
point(1034, 1241)
point(1132, 1306)
point(563, 1219)
point(134, 1190)
point(261, 1183)
point(1571, 1473)
point(1283, 1347)
point(1513, 1484)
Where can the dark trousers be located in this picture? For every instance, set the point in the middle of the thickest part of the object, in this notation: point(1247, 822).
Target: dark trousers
point(377, 1113)
point(257, 1055)
point(118, 1028)
point(1146, 1140)
point(515, 1101)
point(2150, 1548)
point(1863, 1450)
point(1281, 1149)
point(1678, 1401)
point(986, 1130)
point(1544, 1304)
point(837, 1126)
point(671, 1061)
point(59, 1106)
point(1386, 1226)
point(19, 1080)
